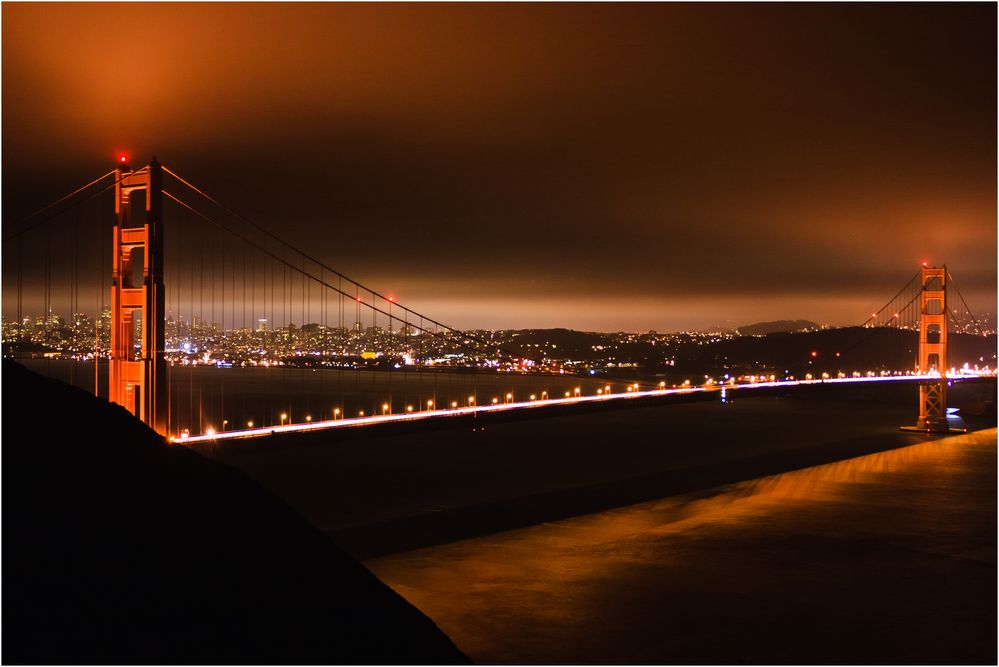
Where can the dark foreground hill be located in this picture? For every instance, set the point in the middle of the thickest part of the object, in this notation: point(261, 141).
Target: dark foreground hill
point(119, 548)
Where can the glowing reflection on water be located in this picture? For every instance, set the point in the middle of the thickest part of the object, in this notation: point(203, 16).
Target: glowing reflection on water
point(584, 589)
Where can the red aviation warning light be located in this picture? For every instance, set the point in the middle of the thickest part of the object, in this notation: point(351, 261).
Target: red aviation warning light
point(122, 159)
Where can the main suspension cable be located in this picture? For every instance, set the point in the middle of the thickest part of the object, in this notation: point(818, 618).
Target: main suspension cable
point(20, 232)
point(330, 286)
point(303, 254)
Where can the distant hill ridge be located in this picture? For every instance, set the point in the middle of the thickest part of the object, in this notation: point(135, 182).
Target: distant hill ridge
point(777, 326)
point(782, 345)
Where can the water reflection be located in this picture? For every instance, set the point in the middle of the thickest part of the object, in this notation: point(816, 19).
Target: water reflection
point(830, 481)
point(666, 578)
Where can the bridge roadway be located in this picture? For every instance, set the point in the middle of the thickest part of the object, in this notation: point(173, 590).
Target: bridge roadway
point(374, 420)
point(383, 490)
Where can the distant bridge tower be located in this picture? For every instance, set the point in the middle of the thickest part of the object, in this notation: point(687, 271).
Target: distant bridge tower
point(933, 350)
point(138, 372)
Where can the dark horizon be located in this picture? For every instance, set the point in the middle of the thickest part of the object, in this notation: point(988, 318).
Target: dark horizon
point(595, 167)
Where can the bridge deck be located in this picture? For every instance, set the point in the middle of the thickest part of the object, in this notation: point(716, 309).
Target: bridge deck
point(554, 402)
point(391, 491)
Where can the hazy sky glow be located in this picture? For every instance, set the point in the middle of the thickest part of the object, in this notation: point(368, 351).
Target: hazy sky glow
point(591, 166)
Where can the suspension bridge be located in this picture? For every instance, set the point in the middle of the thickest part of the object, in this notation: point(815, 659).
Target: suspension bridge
point(182, 289)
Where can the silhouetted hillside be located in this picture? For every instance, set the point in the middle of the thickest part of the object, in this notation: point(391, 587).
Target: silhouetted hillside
point(847, 349)
point(561, 343)
point(778, 326)
point(119, 548)
point(683, 354)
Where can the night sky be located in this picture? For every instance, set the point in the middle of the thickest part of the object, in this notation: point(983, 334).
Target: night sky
point(625, 167)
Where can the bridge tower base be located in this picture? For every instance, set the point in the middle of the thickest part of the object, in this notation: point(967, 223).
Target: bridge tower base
point(137, 366)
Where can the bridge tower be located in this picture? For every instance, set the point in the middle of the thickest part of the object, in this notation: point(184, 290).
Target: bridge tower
point(138, 369)
point(933, 350)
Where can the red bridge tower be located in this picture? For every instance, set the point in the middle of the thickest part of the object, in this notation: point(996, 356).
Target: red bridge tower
point(933, 351)
point(137, 366)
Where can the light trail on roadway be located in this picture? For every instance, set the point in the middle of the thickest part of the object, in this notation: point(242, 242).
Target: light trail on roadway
point(351, 422)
